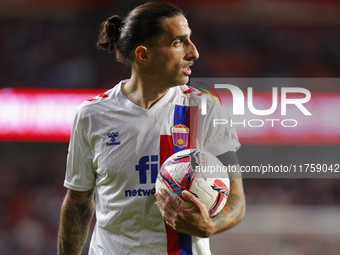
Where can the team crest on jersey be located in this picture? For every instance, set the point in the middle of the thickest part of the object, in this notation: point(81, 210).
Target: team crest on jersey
point(180, 135)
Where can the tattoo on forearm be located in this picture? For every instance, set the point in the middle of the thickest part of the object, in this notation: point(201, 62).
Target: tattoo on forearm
point(75, 221)
point(235, 204)
point(234, 176)
point(223, 221)
point(235, 207)
point(220, 220)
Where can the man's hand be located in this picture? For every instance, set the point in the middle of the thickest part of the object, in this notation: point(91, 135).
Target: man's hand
point(195, 220)
point(192, 220)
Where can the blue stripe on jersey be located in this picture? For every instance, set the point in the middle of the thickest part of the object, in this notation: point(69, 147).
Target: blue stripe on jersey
point(185, 244)
point(180, 117)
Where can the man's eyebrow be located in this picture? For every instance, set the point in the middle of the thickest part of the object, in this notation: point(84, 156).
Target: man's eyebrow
point(182, 36)
point(179, 37)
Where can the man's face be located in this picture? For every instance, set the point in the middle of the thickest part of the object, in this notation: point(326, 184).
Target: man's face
point(174, 52)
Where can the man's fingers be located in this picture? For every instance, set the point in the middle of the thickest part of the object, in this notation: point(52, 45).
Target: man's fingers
point(189, 197)
point(166, 205)
point(169, 200)
point(166, 211)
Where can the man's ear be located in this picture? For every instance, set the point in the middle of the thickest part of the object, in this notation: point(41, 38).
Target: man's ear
point(142, 54)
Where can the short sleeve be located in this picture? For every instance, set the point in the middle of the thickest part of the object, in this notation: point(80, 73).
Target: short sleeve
point(80, 173)
point(220, 137)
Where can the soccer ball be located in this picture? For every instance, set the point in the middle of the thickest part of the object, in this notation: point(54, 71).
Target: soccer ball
point(195, 171)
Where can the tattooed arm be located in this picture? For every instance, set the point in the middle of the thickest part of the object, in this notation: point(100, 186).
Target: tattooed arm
point(234, 211)
point(76, 214)
point(195, 220)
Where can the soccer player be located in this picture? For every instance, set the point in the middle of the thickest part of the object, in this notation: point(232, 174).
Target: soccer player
point(121, 137)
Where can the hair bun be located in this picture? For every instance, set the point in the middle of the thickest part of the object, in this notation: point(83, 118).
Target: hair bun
point(113, 26)
point(141, 25)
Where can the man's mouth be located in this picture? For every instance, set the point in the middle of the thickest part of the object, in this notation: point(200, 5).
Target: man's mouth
point(186, 69)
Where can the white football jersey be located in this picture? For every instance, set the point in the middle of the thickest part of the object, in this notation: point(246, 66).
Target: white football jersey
point(117, 148)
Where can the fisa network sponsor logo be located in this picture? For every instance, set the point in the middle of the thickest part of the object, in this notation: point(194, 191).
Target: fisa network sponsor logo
point(147, 167)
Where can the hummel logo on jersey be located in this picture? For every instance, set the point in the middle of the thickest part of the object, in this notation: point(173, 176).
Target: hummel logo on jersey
point(113, 138)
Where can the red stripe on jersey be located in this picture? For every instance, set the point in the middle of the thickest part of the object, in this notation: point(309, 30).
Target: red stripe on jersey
point(166, 150)
point(103, 95)
point(192, 125)
point(177, 243)
point(172, 236)
point(189, 90)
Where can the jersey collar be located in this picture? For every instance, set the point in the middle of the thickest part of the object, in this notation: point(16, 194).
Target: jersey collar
point(126, 104)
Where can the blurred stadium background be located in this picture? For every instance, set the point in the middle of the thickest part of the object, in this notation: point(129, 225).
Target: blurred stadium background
point(50, 44)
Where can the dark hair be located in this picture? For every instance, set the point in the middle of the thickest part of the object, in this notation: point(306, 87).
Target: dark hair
point(141, 25)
